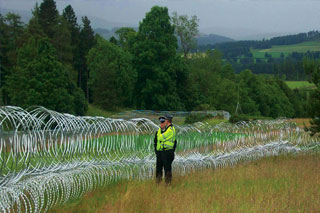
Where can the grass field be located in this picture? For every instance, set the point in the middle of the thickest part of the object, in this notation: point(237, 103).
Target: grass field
point(276, 50)
point(97, 111)
point(299, 84)
point(274, 184)
point(302, 122)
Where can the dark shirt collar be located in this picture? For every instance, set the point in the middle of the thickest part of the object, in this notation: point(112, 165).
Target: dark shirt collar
point(168, 126)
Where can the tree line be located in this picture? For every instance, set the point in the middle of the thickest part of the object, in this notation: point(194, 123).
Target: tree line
point(239, 48)
point(54, 62)
point(288, 67)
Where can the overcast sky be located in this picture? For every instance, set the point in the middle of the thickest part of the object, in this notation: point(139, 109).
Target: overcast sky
point(234, 18)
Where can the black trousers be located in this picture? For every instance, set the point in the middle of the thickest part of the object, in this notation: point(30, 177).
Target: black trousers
point(164, 161)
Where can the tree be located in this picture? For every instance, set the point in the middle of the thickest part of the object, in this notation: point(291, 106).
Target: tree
point(211, 82)
point(187, 30)
point(71, 19)
point(112, 78)
point(70, 16)
point(11, 29)
point(126, 35)
point(156, 62)
point(34, 29)
point(48, 17)
point(113, 40)
point(87, 41)
point(62, 43)
point(312, 68)
point(43, 80)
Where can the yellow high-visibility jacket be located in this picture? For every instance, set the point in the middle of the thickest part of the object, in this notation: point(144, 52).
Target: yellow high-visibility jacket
point(165, 140)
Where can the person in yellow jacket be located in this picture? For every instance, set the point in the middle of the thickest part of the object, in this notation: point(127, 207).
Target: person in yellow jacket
point(165, 144)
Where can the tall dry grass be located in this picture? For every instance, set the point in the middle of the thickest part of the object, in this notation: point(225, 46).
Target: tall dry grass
point(274, 184)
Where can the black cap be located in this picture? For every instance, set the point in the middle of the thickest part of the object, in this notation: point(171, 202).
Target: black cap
point(168, 117)
point(162, 119)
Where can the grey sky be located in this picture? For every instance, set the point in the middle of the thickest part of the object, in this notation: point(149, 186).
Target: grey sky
point(235, 18)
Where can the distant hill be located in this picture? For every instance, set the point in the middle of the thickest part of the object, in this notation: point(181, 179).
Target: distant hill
point(105, 33)
point(96, 22)
point(201, 40)
point(276, 50)
point(212, 39)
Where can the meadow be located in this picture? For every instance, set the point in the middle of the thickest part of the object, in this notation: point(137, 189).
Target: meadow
point(300, 85)
point(288, 183)
point(276, 50)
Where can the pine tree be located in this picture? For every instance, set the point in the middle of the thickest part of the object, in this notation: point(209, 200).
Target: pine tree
point(71, 18)
point(312, 68)
point(87, 41)
point(62, 42)
point(43, 80)
point(11, 30)
point(48, 17)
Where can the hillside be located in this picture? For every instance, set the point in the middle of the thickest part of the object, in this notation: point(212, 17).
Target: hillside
point(201, 40)
point(300, 85)
point(276, 50)
point(212, 39)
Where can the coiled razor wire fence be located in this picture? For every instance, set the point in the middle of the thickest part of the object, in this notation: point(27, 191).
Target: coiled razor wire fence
point(48, 158)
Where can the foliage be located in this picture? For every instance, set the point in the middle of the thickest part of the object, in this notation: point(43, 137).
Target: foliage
point(187, 30)
point(94, 110)
point(112, 77)
point(126, 36)
point(43, 80)
point(48, 17)
point(312, 68)
point(87, 41)
point(11, 29)
point(159, 69)
point(70, 17)
point(237, 118)
point(194, 117)
point(143, 70)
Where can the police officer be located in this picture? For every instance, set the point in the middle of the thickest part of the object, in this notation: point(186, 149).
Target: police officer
point(165, 144)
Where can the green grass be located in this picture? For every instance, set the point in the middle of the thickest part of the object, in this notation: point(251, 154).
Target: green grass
point(98, 111)
point(215, 121)
point(138, 146)
point(275, 184)
point(276, 50)
point(299, 84)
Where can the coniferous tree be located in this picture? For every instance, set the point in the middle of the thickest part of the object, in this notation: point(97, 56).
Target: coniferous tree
point(43, 80)
point(71, 18)
point(62, 42)
point(48, 17)
point(11, 30)
point(87, 41)
point(312, 68)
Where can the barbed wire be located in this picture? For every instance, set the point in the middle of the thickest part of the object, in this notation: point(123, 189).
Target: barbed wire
point(48, 158)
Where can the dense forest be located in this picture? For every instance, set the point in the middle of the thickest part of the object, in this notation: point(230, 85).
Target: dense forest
point(57, 63)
